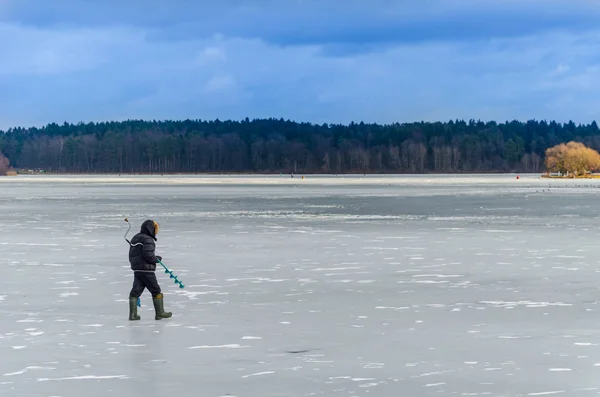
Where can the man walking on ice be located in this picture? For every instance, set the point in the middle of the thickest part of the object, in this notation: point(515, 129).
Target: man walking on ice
point(143, 262)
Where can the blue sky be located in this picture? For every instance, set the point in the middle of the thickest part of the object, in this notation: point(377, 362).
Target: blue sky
point(307, 60)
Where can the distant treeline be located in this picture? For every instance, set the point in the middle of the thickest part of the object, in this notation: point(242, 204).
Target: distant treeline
point(272, 145)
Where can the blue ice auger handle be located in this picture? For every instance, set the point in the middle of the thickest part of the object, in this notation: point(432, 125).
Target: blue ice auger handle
point(171, 275)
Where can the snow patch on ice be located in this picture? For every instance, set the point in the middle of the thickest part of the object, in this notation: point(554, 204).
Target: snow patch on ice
point(230, 346)
point(392, 308)
point(26, 369)
point(258, 374)
point(374, 365)
point(423, 282)
point(524, 303)
point(84, 377)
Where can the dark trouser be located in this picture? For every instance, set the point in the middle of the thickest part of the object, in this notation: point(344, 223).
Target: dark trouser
point(143, 280)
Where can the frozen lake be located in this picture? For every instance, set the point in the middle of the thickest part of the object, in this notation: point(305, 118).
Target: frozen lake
point(327, 286)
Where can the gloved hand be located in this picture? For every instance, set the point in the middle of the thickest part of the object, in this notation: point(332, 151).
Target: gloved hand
point(159, 257)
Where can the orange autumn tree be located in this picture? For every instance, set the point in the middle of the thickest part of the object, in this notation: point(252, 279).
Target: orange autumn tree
point(572, 158)
point(4, 164)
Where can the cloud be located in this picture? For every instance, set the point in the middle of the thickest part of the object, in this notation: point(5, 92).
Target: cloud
point(316, 22)
point(304, 60)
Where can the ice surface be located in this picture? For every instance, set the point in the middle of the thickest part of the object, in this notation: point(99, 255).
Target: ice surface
point(331, 285)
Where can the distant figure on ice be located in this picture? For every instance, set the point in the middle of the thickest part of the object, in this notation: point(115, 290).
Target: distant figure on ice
point(143, 263)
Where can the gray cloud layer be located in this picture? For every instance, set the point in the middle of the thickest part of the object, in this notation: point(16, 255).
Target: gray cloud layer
point(87, 60)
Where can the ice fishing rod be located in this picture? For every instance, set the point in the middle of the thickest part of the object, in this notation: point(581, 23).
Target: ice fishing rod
point(167, 271)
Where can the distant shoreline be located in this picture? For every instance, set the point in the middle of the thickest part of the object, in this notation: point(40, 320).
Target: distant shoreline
point(595, 176)
point(568, 177)
point(269, 173)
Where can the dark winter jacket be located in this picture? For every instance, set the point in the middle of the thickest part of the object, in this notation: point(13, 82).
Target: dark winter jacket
point(141, 251)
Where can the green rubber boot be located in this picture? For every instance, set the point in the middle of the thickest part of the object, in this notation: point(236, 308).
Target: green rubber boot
point(159, 308)
point(133, 316)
